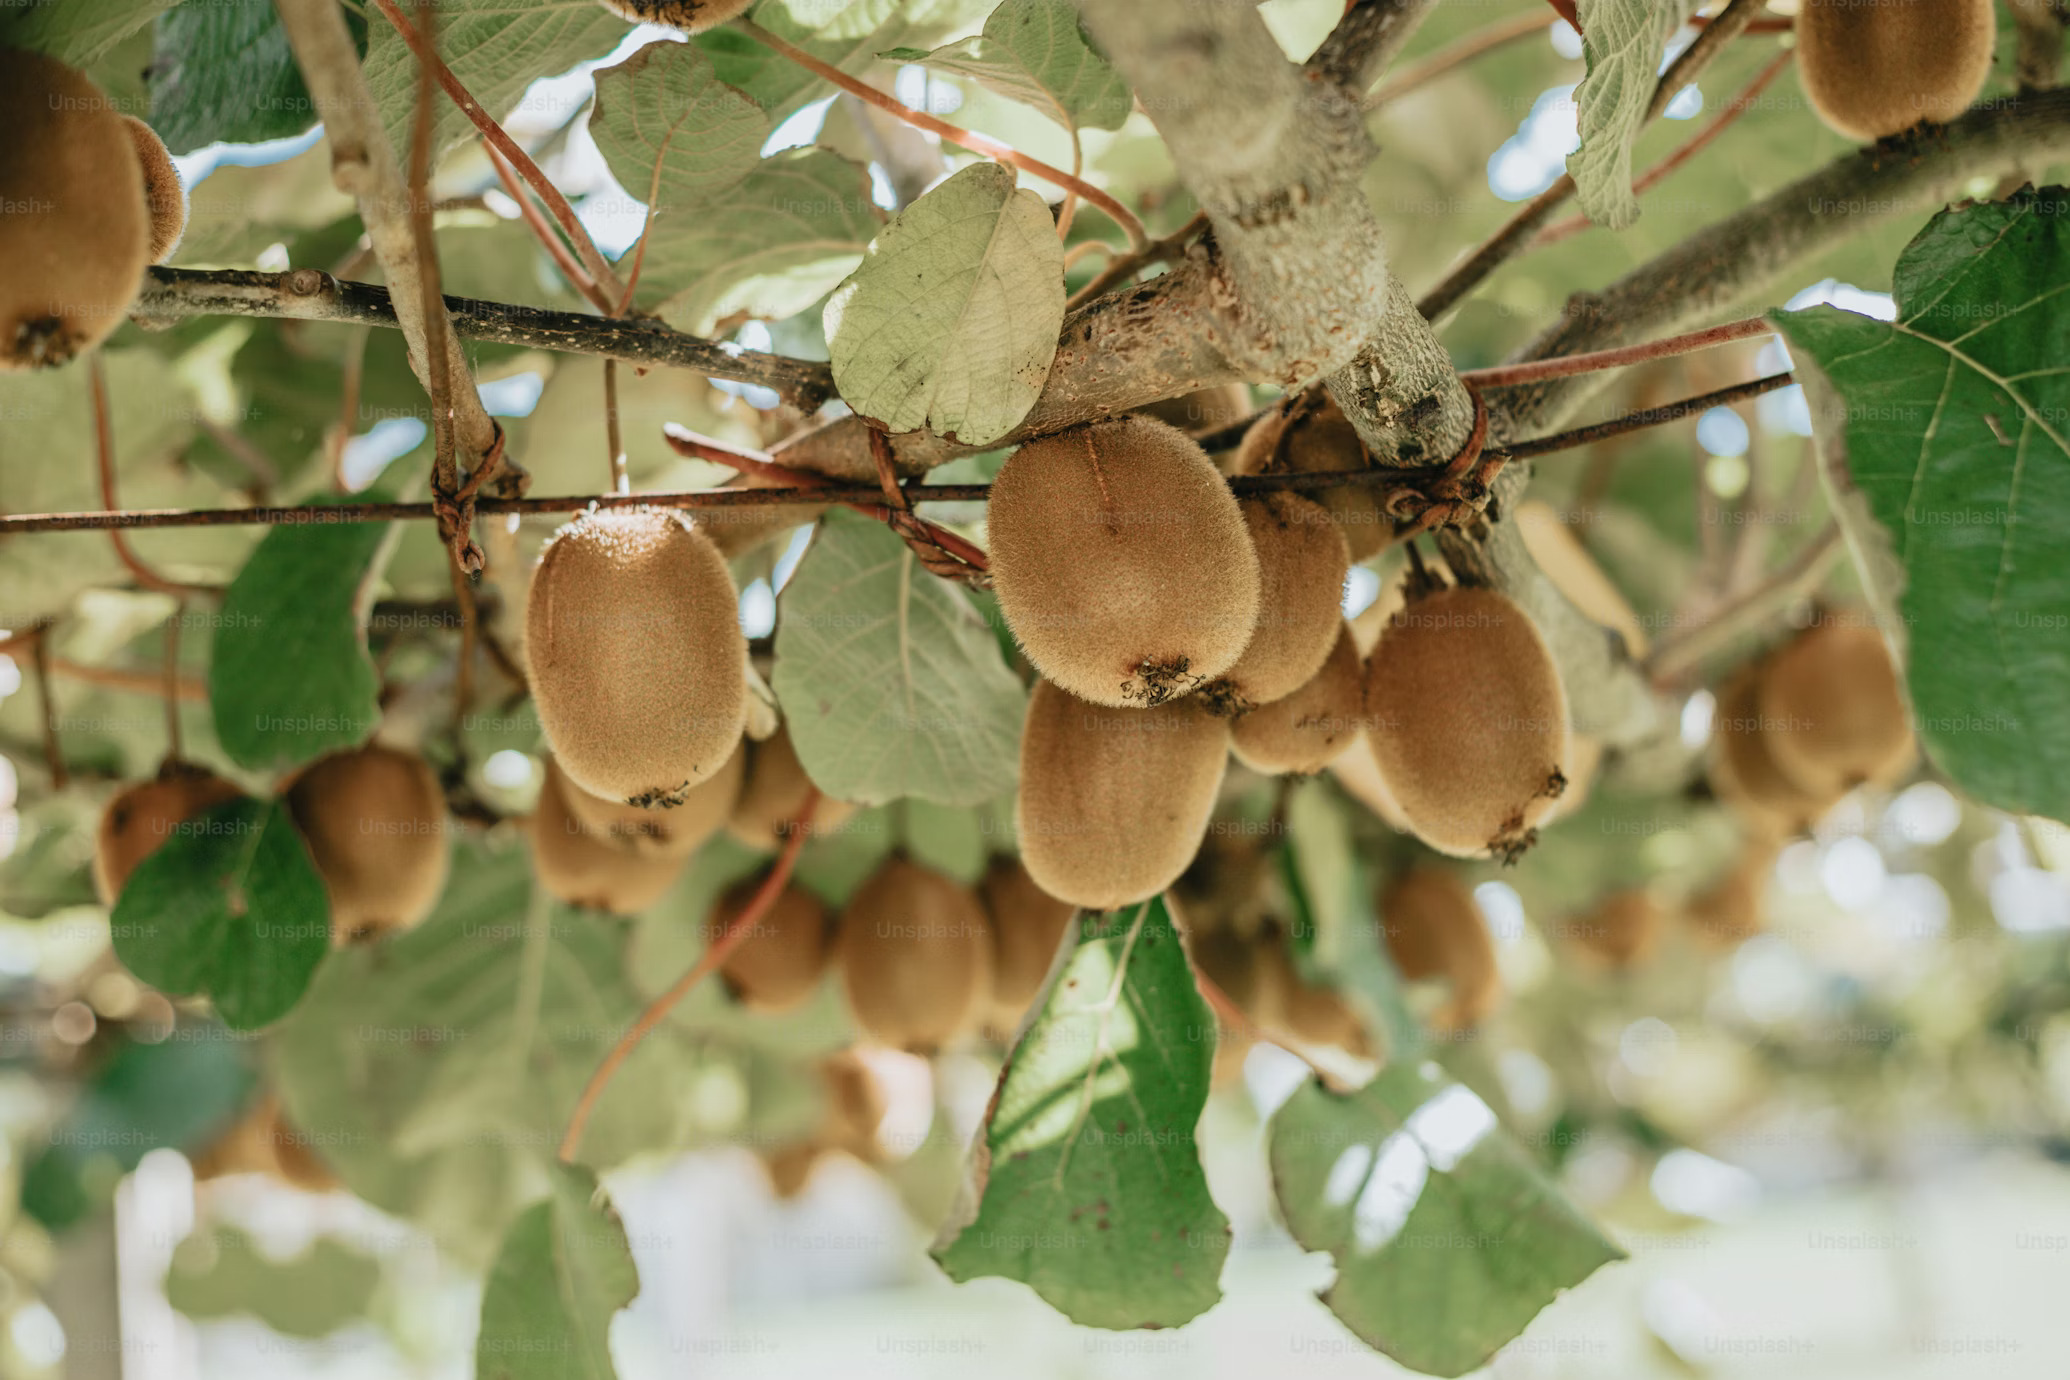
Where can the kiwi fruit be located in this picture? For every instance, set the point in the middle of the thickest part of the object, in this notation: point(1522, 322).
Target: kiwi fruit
point(1435, 930)
point(1575, 573)
point(1735, 907)
point(1467, 721)
point(1743, 770)
point(1314, 438)
point(638, 664)
point(1311, 728)
point(1359, 775)
point(143, 816)
point(1872, 70)
point(1621, 930)
point(1302, 561)
point(375, 822)
point(263, 1142)
point(690, 16)
point(1312, 1013)
point(1833, 714)
point(1122, 562)
point(1205, 411)
point(592, 867)
point(1113, 803)
point(914, 956)
point(76, 233)
point(1028, 926)
point(163, 194)
point(852, 1110)
point(779, 965)
point(773, 794)
point(675, 833)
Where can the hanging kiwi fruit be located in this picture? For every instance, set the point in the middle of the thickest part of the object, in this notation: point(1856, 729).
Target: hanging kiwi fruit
point(1619, 931)
point(163, 194)
point(375, 822)
point(914, 956)
point(591, 866)
point(142, 817)
point(1311, 435)
point(1743, 770)
point(1734, 908)
point(1304, 732)
point(675, 833)
point(1122, 562)
point(779, 965)
point(1027, 927)
point(774, 793)
point(1302, 562)
point(1834, 711)
point(1872, 70)
point(1435, 931)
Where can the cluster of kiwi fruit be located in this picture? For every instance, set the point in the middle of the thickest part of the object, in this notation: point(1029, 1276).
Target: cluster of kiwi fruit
point(91, 200)
point(1876, 68)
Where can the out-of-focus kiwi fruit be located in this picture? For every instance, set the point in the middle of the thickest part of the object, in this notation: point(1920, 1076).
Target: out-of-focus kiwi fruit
point(1302, 561)
point(1311, 438)
point(1113, 803)
point(375, 822)
point(1208, 410)
point(583, 865)
point(1467, 720)
point(779, 965)
point(638, 664)
point(690, 16)
point(1832, 712)
point(1310, 1012)
point(775, 792)
point(263, 1142)
point(1028, 926)
point(1229, 961)
point(76, 235)
point(1311, 728)
point(1575, 573)
point(1743, 771)
point(1621, 930)
point(1121, 562)
point(143, 816)
point(163, 193)
point(1735, 907)
point(675, 833)
point(851, 1110)
point(1435, 930)
point(1877, 69)
point(914, 956)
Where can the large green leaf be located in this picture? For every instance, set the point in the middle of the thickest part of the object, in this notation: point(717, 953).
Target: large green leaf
point(889, 680)
point(222, 70)
point(564, 1270)
point(1947, 446)
point(1086, 1182)
point(951, 322)
point(75, 31)
point(1448, 1239)
point(290, 677)
point(665, 123)
point(1622, 42)
point(845, 33)
point(1034, 51)
point(230, 908)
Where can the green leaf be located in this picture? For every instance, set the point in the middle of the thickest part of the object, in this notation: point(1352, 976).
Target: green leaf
point(75, 31)
point(847, 34)
point(774, 245)
point(952, 320)
point(890, 682)
point(290, 678)
point(663, 120)
point(222, 70)
point(230, 908)
point(312, 1294)
point(1034, 51)
point(1086, 1182)
point(1447, 1237)
point(1622, 43)
point(564, 1270)
point(1946, 445)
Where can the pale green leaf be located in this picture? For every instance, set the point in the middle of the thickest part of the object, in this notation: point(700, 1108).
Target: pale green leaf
point(565, 1269)
point(890, 682)
point(847, 34)
point(952, 320)
point(673, 133)
point(75, 31)
point(1622, 43)
point(1034, 51)
point(222, 70)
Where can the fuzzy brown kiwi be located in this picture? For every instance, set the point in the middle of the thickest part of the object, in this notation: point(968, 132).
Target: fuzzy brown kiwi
point(143, 816)
point(1467, 720)
point(1316, 438)
point(1735, 907)
point(1302, 561)
point(690, 16)
point(1312, 1013)
point(587, 866)
point(773, 794)
point(639, 667)
point(1834, 714)
point(1621, 930)
point(1575, 573)
point(779, 965)
point(1435, 929)
point(1028, 926)
point(163, 194)
point(1113, 803)
point(914, 956)
point(1359, 775)
point(76, 233)
point(1743, 770)
point(375, 822)
point(1121, 562)
point(675, 833)
point(1311, 728)
point(1199, 413)
point(1874, 68)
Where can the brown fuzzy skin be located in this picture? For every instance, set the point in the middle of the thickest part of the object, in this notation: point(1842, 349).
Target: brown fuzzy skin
point(1208, 410)
point(1743, 769)
point(144, 816)
point(1317, 442)
point(1467, 720)
point(638, 664)
point(1114, 802)
point(1302, 561)
point(1735, 907)
point(1311, 728)
point(1121, 562)
point(1874, 68)
point(690, 16)
point(773, 794)
point(1621, 931)
point(1435, 929)
point(1310, 1012)
point(163, 193)
point(779, 965)
point(914, 956)
point(1575, 573)
point(1028, 926)
point(375, 822)
point(588, 867)
point(75, 232)
point(1835, 715)
point(675, 833)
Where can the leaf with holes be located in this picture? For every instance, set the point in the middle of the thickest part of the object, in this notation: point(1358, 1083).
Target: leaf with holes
point(951, 322)
point(890, 681)
point(1034, 51)
point(1085, 1181)
point(1448, 1239)
point(565, 1270)
point(1947, 451)
point(1622, 43)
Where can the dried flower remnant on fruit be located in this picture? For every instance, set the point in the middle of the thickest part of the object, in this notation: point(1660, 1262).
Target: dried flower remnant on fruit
point(690, 16)
point(677, 831)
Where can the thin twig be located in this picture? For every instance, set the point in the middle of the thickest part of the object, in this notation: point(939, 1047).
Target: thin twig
point(1646, 417)
point(137, 682)
point(423, 40)
point(577, 276)
point(39, 659)
point(1167, 250)
point(1427, 70)
point(1749, 610)
point(621, 483)
point(104, 450)
point(1507, 375)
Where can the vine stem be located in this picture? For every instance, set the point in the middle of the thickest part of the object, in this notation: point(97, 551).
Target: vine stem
point(104, 449)
point(1124, 266)
point(963, 138)
point(577, 276)
point(1750, 609)
point(721, 948)
point(1564, 366)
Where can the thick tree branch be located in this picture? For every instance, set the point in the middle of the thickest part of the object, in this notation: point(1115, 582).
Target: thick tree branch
point(1371, 34)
